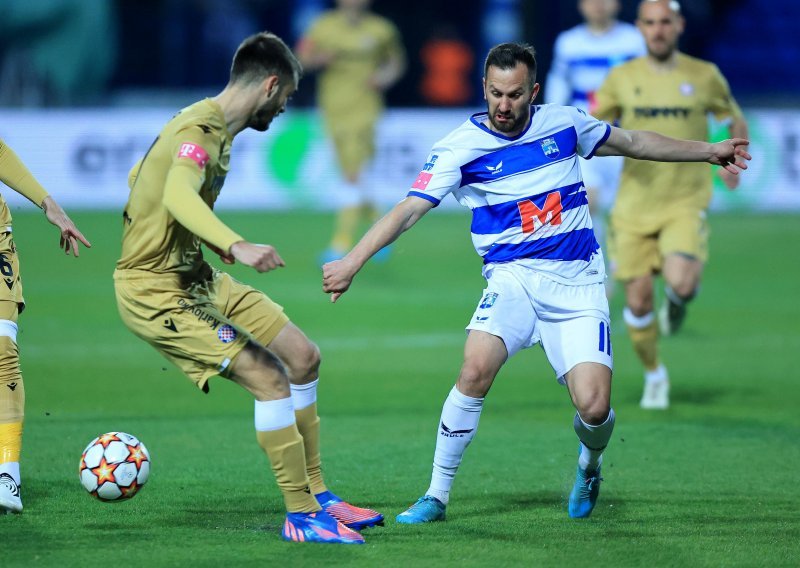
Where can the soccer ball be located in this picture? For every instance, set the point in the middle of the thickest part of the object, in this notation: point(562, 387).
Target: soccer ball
point(114, 466)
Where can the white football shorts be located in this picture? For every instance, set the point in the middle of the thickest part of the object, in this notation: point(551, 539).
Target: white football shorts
point(523, 308)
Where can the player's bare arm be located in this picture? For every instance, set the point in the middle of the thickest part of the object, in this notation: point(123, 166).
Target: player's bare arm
point(338, 275)
point(731, 154)
point(389, 73)
point(70, 235)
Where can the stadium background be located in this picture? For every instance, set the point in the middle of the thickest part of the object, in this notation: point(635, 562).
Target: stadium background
point(84, 87)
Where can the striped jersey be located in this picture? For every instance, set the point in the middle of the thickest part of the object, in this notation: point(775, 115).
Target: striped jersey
point(582, 59)
point(526, 193)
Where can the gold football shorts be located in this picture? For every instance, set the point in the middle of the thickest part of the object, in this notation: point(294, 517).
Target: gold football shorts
point(354, 146)
point(641, 251)
point(200, 326)
point(11, 286)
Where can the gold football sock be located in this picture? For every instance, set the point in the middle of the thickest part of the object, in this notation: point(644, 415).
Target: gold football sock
point(308, 425)
point(10, 442)
point(645, 343)
point(284, 448)
point(346, 224)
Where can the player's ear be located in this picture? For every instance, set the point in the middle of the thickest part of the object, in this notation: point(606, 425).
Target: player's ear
point(535, 92)
point(484, 89)
point(271, 85)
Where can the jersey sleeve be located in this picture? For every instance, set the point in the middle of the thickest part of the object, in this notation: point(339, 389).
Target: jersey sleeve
point(195, 147)
point(605, 104)
point(440, 175)
point(393, 46)
point(592, 133)
point(721, 103)
point(15, 175)
point(557, 89)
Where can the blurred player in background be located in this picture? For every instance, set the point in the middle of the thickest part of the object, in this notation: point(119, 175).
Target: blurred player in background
point(658, 222)
point(516, 167)
point(15, 175)
point(208, 323)
point(582, 57)
point(360, 56)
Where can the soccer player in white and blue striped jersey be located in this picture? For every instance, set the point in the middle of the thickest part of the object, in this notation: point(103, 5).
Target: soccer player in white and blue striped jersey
point(516, 167)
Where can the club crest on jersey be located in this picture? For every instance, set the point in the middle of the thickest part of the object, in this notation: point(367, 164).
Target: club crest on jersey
point(550, 148)
point(430, 163)
point(488, 300)
point(495, 169)
point(226, 333)
point(194, 152)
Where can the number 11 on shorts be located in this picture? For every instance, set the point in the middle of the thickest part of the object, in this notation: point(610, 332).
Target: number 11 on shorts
point(605, 338)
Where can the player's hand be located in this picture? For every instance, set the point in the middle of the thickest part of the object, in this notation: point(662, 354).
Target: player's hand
point(730, 180)
point(261, 257)
point(337, 277)
point(731, 154)
point(225, 257)
point(70, 235)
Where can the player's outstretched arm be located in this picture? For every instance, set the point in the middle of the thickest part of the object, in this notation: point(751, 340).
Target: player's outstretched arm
point(644, 145)
point(338, 275)
point(70, 235)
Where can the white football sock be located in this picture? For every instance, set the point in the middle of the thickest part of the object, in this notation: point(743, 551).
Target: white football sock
point(594, 440)
point(657, 375)
point(460, 416)
point(304, 396)
point(274, 414)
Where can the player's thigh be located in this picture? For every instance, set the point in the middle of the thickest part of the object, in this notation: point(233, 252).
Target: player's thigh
point(249, 308)
point(185, 327)
point(11, 287)
point(575, 327)
point(505, 311)
point(685, 233)
point(354, 148)
point(632, 253)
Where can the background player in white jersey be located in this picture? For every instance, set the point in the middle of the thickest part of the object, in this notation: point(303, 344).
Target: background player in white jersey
point(582, 57)
point(516, 167)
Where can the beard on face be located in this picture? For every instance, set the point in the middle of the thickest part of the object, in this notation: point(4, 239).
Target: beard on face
point(262, 118)
point(510, 123)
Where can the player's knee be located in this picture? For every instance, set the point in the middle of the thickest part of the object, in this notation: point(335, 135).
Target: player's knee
point(594, 412)
point(685, 289)
point(640, 305)
point(304, 365)
point(475, 379)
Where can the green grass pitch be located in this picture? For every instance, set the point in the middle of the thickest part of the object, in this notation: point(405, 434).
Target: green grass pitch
point(710, 482)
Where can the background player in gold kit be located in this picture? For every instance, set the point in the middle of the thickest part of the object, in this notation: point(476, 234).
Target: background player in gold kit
point(360, 56)
point(15, 175)
point(658, 222)
point(209, 324)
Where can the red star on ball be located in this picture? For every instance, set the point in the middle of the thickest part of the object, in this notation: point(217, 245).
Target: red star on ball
point(104, 472)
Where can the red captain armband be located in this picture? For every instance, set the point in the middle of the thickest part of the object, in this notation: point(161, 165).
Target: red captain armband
point(195, 153)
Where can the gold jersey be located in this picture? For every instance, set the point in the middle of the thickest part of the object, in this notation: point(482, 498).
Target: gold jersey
point(675, 103)
point(197, 138)
point(358, 51)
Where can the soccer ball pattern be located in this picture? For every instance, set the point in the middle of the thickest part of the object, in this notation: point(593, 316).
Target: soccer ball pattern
point(114, 466)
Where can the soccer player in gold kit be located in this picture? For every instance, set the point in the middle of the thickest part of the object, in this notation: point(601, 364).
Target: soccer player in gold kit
point(359, 55)
point(658, 222)
point(15, 175)
point(206, 322)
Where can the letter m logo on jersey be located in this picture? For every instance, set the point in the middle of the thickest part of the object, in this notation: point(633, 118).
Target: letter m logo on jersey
point(549, 213)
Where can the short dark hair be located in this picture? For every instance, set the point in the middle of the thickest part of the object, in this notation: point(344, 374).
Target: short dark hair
point(508, 55)
point(261, 55)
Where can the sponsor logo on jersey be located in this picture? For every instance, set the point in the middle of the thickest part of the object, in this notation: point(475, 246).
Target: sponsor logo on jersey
point(488, 300)
point(193, 152)
point(430, 163)
point(448, 433)
point(496, 169)
point(422, 181)
point(655, 112)
point(550, 148)
point(226, 333)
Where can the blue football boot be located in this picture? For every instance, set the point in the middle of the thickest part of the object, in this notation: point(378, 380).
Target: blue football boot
point(318, 527)
point(584, 493)
point(427, 509)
